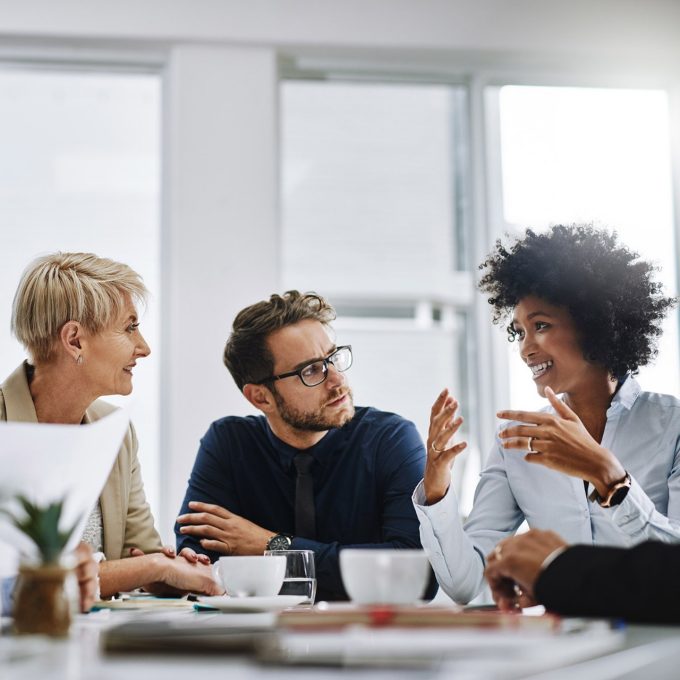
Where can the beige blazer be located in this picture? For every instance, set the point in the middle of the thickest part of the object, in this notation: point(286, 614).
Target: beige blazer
point(126, 515)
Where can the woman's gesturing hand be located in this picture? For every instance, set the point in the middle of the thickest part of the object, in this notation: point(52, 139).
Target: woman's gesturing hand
point(443, 426)
point(560, 441)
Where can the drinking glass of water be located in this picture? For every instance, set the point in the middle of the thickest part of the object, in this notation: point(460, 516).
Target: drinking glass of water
point(300, 578)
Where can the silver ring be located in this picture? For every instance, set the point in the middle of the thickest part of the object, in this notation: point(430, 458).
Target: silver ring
point(435, 449)
point(531, 448)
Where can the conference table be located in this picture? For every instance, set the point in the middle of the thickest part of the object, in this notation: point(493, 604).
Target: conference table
point(580, 649)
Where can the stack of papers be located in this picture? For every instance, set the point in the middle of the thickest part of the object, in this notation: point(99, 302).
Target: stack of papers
point(532, 645)
point(490, 653)
point(197, 633)
point(145, 602)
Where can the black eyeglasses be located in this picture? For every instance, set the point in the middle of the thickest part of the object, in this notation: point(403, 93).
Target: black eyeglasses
point(315, 372)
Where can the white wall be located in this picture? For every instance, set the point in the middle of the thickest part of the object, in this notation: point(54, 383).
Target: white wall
point(221, 60)
point(220, 238)
point(578, 27)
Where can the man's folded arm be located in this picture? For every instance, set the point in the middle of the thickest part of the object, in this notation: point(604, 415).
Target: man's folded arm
point(636, 584)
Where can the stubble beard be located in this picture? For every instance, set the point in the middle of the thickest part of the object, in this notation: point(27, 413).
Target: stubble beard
point(315, 421)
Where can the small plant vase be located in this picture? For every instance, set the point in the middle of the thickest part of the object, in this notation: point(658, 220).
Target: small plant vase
point(41, 604)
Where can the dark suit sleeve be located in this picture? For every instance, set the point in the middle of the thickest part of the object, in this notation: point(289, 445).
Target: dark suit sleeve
point(637, 584)
point(210, 482)
point(400, 461)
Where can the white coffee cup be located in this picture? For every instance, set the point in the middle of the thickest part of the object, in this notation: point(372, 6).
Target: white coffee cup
point(384, 576)
point(250, 575)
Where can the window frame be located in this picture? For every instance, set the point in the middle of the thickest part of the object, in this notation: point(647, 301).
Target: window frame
point(193, 390)
point(576, 78)
point(462, 301)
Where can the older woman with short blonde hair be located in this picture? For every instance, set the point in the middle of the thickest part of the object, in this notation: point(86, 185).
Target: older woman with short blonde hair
point(76, 315)
point(79, 287)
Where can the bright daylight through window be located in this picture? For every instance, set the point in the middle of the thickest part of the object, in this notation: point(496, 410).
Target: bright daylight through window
point(372, 189)
point(592, 155)
point(80, 171)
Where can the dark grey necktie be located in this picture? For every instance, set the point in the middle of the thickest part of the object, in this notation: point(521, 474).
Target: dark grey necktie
point(305, 513)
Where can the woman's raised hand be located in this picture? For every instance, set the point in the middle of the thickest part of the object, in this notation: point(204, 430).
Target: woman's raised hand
point(440, 450)
point(560, 441)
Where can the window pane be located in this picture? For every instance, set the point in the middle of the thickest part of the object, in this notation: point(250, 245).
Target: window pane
point(368, 179)
point(371, 219)
point(79, 171)
point(593, 155)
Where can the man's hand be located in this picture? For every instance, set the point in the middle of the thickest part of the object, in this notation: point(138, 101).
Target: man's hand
point(443, 426)
point(178, 576)
point(560, 441)
point(86, 573)
point(224, 531)
point(515, 564)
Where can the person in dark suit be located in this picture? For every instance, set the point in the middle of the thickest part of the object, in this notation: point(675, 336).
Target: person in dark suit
point(637, 584)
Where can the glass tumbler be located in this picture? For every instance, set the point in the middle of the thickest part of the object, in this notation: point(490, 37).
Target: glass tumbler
point(300, 578)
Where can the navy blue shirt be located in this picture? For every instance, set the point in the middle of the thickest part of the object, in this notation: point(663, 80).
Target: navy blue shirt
point(364, 474)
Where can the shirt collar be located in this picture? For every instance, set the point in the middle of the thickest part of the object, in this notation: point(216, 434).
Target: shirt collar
point(626, 394)
point(320, 451)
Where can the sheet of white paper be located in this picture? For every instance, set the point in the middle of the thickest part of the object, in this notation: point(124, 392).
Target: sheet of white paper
point(48, 463)
point(469, 652)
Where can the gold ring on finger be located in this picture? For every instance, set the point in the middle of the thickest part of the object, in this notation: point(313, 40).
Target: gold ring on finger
point(435, 449)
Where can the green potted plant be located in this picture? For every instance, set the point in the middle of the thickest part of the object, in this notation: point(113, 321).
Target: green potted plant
point(40, 601)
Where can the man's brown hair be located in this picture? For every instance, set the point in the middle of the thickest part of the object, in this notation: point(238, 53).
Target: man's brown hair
point(246, 354)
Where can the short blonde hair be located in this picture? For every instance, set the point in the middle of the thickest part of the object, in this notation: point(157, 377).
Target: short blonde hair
point(63, 287)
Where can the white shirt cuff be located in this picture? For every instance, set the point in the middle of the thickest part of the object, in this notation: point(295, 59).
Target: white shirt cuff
point(552, 557)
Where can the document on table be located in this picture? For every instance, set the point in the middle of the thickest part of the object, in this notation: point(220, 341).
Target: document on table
point(144, 602)
point(469, 652)
point(47, 463)
point(181, 633)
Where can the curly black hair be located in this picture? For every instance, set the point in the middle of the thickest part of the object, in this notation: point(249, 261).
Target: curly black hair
point(616, 306)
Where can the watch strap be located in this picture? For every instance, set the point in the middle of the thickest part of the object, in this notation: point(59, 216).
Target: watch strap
point(615, 495)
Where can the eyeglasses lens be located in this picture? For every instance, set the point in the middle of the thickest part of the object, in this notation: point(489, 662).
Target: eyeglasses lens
point(342, 359)
point(314, 374)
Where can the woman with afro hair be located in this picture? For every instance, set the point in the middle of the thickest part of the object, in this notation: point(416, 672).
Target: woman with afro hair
point(601, 465)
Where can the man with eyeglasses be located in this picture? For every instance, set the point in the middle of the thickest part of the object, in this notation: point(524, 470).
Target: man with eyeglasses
point(312, 472)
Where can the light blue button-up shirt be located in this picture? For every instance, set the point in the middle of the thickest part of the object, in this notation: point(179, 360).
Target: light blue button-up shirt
point(643, 432)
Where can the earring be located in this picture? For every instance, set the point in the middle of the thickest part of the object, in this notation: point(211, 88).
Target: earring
point(79, 359)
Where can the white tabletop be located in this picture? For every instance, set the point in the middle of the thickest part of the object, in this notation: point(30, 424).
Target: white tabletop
point(638, 651)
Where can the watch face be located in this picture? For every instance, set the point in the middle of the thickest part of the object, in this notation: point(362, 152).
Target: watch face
point(619, 495)
point(279, 542)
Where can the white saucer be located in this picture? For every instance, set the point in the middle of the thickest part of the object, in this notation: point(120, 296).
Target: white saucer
point(251, 604)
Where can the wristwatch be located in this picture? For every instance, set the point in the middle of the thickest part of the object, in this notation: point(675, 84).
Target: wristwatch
point(280, 542)
point(615, 495)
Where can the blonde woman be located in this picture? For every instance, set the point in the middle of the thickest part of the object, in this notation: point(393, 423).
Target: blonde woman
point(76, 315)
